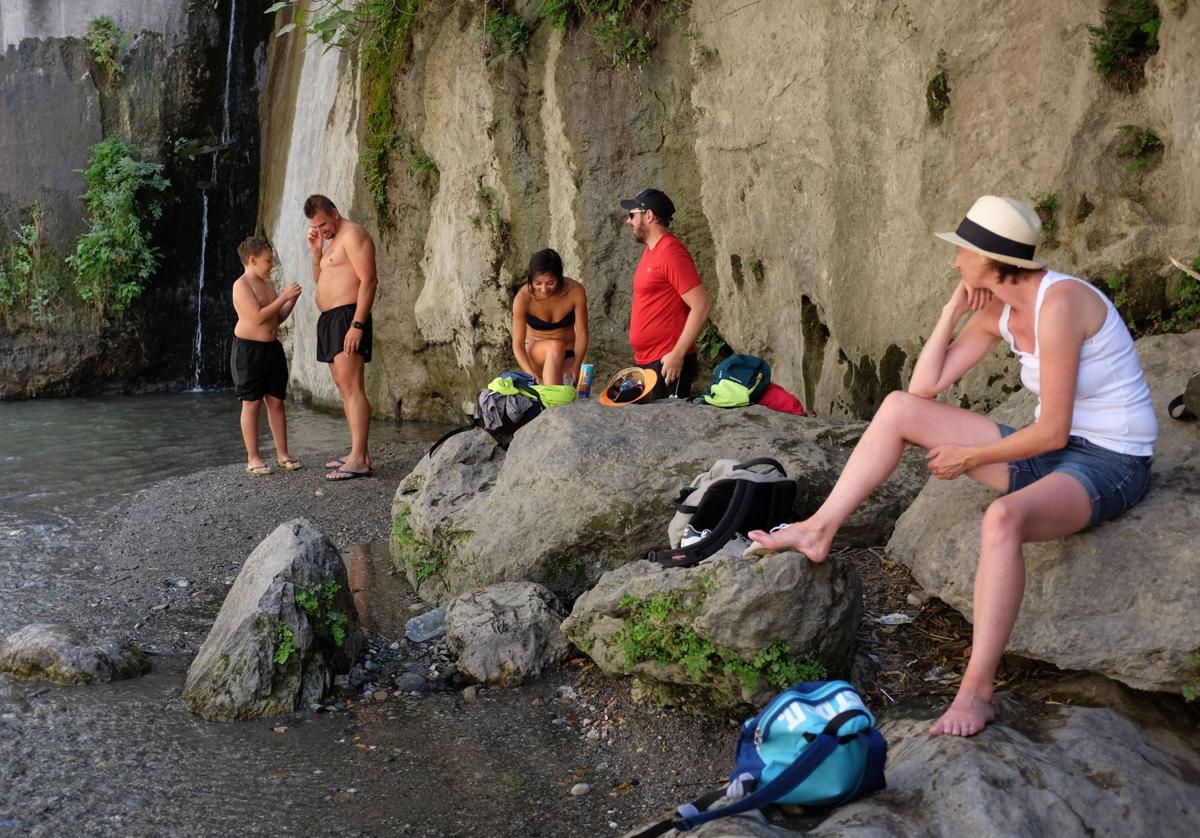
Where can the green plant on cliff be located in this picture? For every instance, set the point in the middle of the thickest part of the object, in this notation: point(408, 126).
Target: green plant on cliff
point(1191, 690)
point(382, 31)
point(107, 44)
point(1185, 299)
point(625, 31)
point(33, 276)
point(711, 344)
point(937, 90)
point(659, 629)
point(1142, 147)
point(317, 601)
point(412, 555)
point(1121, 45)
point(125, 195)
point(285, 643)
point(508, 35)
point(1047, 207)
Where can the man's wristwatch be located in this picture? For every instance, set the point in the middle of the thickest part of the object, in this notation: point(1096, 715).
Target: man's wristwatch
point(358, 324)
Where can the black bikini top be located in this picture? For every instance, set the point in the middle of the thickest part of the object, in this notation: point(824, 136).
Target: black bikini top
point(542, 326)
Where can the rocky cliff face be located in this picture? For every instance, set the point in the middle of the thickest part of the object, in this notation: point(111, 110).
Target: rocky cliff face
point(56, 101)
point(797, 144)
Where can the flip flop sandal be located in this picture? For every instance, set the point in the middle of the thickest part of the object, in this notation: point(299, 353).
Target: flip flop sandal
point(290, 465)
point(755, 549)
point(259, 471)
point(350, 475)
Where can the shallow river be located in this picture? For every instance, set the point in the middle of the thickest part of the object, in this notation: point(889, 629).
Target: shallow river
point(65, 460)
point(127, 759)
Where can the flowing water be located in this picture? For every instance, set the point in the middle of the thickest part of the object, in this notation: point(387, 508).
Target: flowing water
point(66, 460)
point(198, 345)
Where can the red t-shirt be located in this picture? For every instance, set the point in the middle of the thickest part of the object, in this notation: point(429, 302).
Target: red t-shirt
point(664, 274)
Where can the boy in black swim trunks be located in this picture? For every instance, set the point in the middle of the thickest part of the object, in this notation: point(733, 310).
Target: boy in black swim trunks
point(257, 360)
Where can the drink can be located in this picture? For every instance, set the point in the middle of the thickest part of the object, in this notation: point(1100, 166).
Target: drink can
point(586, 371)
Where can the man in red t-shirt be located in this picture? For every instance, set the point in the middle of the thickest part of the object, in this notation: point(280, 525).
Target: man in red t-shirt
point(669, 304)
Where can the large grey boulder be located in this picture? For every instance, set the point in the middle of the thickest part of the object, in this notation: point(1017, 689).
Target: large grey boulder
point(505, 634)
point(287, 625)
point(1043, 769)
point(1118, 599)
point(725, 632)
point(584, 488)
point(62, 653)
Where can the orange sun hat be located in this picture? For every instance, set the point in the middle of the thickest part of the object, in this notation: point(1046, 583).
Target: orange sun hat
point(630, 386)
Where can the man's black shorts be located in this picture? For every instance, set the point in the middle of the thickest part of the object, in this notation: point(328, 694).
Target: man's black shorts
point(682, 386)
point(331, 333)
point(259, 369)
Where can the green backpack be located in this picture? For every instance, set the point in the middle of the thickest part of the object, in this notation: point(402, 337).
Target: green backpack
point(738, 381)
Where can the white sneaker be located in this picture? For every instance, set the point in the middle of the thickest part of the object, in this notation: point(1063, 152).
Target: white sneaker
point(755, 549)
point(691, 535)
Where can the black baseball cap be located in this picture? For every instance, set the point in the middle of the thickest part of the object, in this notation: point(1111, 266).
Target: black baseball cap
point(652, 199)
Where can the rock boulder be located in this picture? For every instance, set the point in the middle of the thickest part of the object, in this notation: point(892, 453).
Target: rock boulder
point(725, 632)
point(287, 625)
point(1120, 598)
point(56, 652)
point(506, 633)
point(585, 488)
point(1043, 769)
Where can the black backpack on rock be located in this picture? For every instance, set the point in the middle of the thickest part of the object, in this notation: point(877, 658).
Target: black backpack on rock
point(722, 505)
point(1186, 406)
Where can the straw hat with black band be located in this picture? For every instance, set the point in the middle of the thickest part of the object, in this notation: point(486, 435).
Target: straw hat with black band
point(1003, 229)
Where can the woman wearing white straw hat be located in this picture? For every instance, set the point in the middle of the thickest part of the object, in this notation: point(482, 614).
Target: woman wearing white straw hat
point(1085, 458)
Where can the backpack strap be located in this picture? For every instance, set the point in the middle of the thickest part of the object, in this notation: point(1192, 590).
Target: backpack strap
point(1176, 410)
point(452, 432)
point(720, 533)
point(809, 761)
point(762, 461)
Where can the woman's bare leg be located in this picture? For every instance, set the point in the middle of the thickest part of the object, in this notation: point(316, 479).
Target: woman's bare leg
point(1051, 508)
point(902, 419)
point(548, 356)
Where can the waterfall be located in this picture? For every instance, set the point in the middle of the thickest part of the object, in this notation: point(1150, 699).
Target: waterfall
point(223, 142)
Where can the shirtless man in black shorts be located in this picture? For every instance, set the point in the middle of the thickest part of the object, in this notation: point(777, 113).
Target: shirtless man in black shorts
point(343, 264)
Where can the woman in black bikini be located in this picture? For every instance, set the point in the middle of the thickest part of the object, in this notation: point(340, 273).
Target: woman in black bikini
point(550, 324)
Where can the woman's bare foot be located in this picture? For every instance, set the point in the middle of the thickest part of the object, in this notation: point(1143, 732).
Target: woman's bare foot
point(969, 713)
point(802, 537)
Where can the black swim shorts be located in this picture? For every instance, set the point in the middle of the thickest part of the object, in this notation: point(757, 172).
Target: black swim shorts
point(331, 333)
point(259, 369)
point(681, 388)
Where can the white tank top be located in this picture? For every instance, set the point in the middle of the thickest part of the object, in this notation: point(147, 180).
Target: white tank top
point(1112, 402)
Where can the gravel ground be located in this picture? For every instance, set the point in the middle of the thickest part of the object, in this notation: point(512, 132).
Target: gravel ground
point(378, 760)
point(569, 754)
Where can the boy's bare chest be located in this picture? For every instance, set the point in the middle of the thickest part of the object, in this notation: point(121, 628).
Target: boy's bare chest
point(264, 292)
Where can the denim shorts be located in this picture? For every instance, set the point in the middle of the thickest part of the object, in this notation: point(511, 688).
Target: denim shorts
point(1114, 481)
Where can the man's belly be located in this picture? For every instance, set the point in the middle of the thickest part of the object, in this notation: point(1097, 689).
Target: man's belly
point(337, 290)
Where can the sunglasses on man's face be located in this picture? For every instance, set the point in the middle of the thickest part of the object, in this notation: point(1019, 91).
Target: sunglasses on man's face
point(632, 213)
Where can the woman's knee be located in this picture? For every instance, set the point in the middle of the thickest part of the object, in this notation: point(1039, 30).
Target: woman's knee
point(1003, 519)
point(897, 407)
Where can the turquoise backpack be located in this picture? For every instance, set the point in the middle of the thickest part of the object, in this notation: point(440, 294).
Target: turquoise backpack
point(812, 745)
point(738, 381)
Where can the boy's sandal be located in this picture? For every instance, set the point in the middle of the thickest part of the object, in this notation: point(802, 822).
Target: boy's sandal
point(290, 465)
point(259, 471)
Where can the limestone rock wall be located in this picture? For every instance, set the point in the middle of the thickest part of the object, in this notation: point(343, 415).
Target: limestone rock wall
point(56, 102)
point(797, 145)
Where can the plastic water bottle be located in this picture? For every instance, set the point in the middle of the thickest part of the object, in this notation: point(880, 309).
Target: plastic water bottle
point(426, 626)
